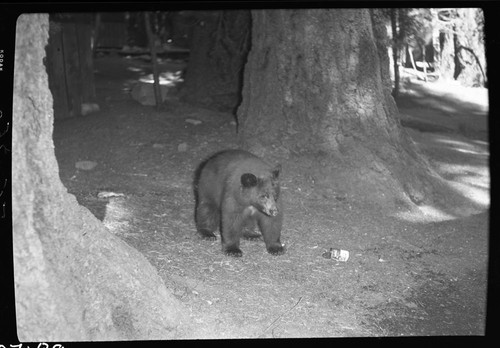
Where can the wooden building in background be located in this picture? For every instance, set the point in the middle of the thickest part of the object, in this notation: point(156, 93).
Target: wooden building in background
point(69, 64)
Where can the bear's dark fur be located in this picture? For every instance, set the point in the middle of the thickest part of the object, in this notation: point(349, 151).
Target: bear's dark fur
point(234, 189)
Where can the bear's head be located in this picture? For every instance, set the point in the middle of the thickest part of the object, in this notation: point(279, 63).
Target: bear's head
point(262, 192)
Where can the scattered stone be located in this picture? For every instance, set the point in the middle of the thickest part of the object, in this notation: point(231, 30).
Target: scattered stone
point(340, 198)
point(144, 93)
point(88, 108)
point(192, 121)
point(182, 147)
point(85, 165)
point(109, 194)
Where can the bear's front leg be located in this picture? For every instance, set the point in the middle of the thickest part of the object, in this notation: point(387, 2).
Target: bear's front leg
point(231, 232)
point(271, 231)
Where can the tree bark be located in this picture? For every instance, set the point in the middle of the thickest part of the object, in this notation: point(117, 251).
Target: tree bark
point(317, 85)
point(456, 56)
point(219, 44)
point(73, 279)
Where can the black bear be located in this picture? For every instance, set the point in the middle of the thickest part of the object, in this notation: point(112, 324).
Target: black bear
point(233, 189)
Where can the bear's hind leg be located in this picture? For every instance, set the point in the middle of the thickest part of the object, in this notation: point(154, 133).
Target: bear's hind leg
point(207, 220)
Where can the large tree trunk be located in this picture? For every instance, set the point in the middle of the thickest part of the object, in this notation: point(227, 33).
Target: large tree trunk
point(73, 279)
point(219, 45)
point(456, 56)
point(317, 85)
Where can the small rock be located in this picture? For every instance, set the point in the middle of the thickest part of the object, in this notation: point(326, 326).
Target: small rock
point(108, 194)
point(192, 121)
point(88, 108)
point(144, 93)
point(85, 165)
point(182, 147)
point(159, 146)
point(411, 305)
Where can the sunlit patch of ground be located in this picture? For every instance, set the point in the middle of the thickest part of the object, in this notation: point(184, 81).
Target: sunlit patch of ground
point(453, 91)
point(448, 122)
point(464, 166)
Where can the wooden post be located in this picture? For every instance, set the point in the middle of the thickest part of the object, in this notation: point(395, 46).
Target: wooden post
point(85, 58)
point(95, 31)
point(69, 64)
point(55, 66)
point(152, 47)
point(72, 70)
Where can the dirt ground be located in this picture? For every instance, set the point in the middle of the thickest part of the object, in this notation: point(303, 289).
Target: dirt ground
point(409, 273)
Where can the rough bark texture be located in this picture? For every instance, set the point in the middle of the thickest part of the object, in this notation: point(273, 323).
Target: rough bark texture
point(317, 84)
point(219, 45)
point(73, 279)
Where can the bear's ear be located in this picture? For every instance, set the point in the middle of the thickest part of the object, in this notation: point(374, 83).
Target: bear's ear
point(248, 180)
point(276, 171)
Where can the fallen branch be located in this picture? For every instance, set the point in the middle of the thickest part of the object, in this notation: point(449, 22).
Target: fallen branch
point(279, 317)
point(477, 60)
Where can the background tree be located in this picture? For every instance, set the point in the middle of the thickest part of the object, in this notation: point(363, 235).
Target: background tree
point(161, 23)
point(73, 279)
point(451, 39)
point(219, 45)
point(396, 47)
point(461, 45)
point(317, 86)
point(412, 34)
point(416, 33)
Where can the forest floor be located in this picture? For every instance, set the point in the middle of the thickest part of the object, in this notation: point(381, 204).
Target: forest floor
point(409, 273)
